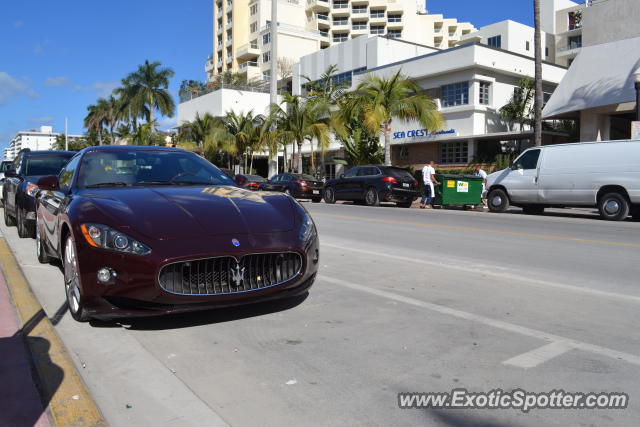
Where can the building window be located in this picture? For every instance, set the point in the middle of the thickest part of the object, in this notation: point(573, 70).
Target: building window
point(575, 42)
point(377, 13)
point(395, 18)
point(266, 57)
point(254, 9)
point(485, 88)
point(254, 44)
point(359, 9)
point(266, 38)
point(359, 25)
point(527, 45)
point(266, 75)
point(377, 29)
point(455, 94)
point(340, 21)
point(404, 152)
point(394, 34)
point(254, 27)
point(340, 37)
point(322, 17)
point(340, 5)
point(495, 41)
point(454, 152)
point(324, 33)
point(546, 51)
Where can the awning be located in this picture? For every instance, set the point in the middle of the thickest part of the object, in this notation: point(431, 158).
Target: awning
point(600, 75)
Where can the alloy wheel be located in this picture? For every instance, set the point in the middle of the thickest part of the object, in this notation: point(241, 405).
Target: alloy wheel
point(71, 279)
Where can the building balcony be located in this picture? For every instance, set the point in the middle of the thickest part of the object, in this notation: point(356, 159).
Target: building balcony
point(339, 25)
point(569, 50)
point(248, 51)
point(245, 66)
point(219, 63)
point(209, 65)
point(318, 5)
point(395, 24)
point(359, 29)
point(229, 42)
point(377, 19)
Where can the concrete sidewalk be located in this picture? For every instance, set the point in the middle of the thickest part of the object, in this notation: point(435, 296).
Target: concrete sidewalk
point(20, 403)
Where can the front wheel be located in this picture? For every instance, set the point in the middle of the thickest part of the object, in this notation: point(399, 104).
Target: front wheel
point(72, 287)
point(613, 207)
point(371, 197)
point(498, 200)
point(329, 195)
point(41, 252)
point(21, 222)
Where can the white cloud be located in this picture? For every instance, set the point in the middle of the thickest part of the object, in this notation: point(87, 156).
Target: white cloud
point(102, 89)
point(57, 81)
point(167, 123)
point(11, 87)
point(42, 120)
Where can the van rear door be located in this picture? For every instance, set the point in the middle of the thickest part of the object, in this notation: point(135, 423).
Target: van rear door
point(522, 181)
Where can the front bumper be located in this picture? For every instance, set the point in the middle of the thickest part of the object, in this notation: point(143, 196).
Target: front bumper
point(135, 290)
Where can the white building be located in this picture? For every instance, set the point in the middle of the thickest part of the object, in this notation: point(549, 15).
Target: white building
point(42, 139)
point(222, 99)
point(469, 83)
point(241, 40)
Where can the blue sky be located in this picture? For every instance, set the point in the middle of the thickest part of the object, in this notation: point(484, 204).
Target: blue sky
point(57, 57)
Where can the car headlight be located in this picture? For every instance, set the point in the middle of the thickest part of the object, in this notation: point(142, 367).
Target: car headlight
point(101, 236)
point(307, 229)
point(31, 189)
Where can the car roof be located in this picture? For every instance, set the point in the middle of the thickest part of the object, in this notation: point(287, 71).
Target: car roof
point(44, 153)
point(132, 148)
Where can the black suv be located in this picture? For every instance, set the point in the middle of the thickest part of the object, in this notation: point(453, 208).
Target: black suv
point(20, 187)
point(373, 184)
point(297, 185)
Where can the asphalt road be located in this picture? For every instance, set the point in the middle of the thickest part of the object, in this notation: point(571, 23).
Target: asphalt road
point(407, 300)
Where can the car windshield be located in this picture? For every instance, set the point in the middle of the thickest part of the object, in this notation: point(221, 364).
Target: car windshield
point(304, 177)
point(147, 167)
point(5, 166)
point(398, 173)
point(45, 165)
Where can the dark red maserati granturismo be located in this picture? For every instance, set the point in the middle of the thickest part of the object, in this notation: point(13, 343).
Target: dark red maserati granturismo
point(154, 230)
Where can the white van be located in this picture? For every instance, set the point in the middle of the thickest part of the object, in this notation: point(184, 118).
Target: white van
point(601, 174)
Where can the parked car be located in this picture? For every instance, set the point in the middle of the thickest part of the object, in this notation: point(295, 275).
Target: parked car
point(373, 184)
point(4, 166)
point(299, 186)
point(601, 174)
point(227, 172)
point(20, 188)
point(250, 182)
point(153, 230)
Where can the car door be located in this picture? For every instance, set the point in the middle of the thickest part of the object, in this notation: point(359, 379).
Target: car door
point(345, 184)
point(364, 180)
point(286, 182)
point(12, 184)
point(270, 185)
point(52, 202)
point(522, 180)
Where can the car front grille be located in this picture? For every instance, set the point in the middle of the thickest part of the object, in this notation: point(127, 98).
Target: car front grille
point(225, 275)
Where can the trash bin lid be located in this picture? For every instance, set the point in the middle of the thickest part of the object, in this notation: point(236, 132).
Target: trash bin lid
point(454, 176)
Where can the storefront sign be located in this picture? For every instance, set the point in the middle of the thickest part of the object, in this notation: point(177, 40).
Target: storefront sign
point(418, 133)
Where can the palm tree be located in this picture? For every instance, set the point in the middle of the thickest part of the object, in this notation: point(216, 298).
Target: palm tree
point(96, 118)
point(538, 101)
point(148, 86)
point(232, 134)
point(199, 129)
point(518, 109)
point(383, 100)
point(131, 108)
point(264, 136)
point(302, 120)
point(112, 113)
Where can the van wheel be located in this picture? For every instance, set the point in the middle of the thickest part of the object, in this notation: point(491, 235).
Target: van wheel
point(533, 210)
point(613, 207)
point(498, 200)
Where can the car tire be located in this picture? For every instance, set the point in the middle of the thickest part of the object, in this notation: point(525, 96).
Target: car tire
point(9, 221)
point(329, 195)
point(316, 199)
point(41, 252)
point(404, 204)
point(498, 200)
point(613, 207)
point(533, 210)
point(23, 229)
point(371, 197)
point(72, 284)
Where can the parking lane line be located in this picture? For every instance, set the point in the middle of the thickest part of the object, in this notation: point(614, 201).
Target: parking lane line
point(479, 269)
point(537, 356)
point(482, 230)
point(487, 321)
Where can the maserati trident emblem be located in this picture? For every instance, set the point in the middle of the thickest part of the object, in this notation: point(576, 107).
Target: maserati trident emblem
point(237, 275)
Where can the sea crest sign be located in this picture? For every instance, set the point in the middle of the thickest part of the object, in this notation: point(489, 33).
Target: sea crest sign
point(419, 133)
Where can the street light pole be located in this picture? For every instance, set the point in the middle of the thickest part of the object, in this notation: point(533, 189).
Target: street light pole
point(273, 99)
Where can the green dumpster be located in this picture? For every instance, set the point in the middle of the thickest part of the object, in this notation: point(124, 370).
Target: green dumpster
point(458, 190)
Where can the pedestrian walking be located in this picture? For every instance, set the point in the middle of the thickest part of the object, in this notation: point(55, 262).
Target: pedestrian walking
point(428, 178)
point(482, 174)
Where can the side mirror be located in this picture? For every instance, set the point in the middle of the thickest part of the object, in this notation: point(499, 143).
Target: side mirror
point(49, 182)
point(341, 175)
point(11, 173)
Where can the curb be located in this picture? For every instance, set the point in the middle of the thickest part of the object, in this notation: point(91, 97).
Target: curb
point(69, 402)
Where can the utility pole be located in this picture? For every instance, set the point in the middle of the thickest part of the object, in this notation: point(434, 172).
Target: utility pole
point(66, 134)
point(273, 99)
point(538, 100)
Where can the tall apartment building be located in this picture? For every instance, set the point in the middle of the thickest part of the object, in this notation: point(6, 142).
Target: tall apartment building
point(41, 139)
point(242, 41)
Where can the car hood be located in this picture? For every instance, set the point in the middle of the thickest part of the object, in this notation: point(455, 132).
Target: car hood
point(185, 212)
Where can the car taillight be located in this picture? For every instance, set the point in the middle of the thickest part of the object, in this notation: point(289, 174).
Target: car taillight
point(390, 179)
point(252, 184)
point(414, 183)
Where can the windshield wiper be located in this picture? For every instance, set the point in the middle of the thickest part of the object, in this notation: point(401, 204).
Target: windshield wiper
point(192, 183)
point(107, 184)
point(154, 183)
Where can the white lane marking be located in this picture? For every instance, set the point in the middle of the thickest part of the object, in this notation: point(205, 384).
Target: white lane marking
point(481, 269)
point(535, 357)
point(499, 324)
